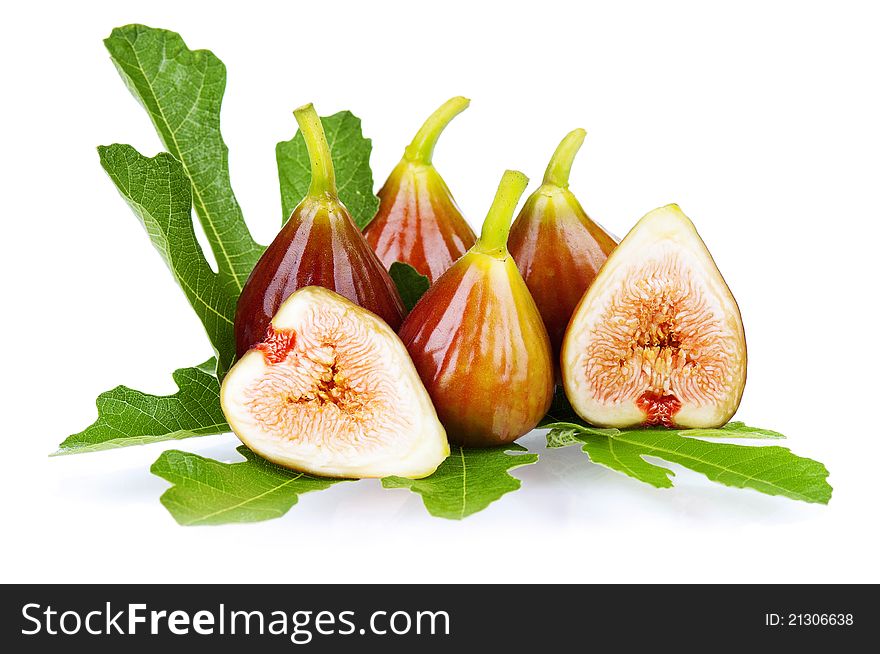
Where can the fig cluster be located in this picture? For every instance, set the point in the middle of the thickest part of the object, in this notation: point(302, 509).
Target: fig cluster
point(334, 379)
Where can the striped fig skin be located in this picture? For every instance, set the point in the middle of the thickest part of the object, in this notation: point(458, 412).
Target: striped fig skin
point(418, 221)
point(558, 250)
point(482, 352)
point(319, 246)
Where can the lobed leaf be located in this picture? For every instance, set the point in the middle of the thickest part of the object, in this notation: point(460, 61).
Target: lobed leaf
point(208, 492)
point(158, 192)
point(772, 470)
point(732, 430)
point(129, 417)
point(468, 481)
point(182, 91)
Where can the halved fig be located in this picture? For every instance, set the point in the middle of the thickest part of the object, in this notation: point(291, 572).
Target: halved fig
point(658, 338)
point(331, 391)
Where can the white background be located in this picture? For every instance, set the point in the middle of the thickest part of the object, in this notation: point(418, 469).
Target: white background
point(761, 121)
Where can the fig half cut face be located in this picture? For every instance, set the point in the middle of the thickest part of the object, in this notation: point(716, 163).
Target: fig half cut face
point(658, 338)
point(332, 391)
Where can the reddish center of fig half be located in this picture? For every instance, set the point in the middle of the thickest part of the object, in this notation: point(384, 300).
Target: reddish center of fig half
point(658, 338)
point(659, 409)
point(277, 345)
point(332, 391)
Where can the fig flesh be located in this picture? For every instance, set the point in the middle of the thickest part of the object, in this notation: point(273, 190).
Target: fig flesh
point(557, 247)
point(331, 391)
point(478, 341)
point(418, 221)
point(319, 245)
point(658, 338)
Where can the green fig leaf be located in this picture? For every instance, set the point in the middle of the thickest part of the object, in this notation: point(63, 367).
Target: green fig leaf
point(732, 430)
point(411, 284)
point(772, 470)
point(350, 152)
point(208, 492)
point(468, 481)
point(129, 417)
point(158, 192)
point(182, 91)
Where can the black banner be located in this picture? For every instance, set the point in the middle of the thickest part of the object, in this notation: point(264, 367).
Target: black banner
point(315, 618)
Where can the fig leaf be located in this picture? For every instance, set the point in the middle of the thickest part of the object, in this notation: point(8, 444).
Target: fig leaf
point(468, 481)
point(410, 283)
point(208, 492)
point(772, 470)
point(182, 91)
point(350, 152)
point(158, 192)
point(130, 417)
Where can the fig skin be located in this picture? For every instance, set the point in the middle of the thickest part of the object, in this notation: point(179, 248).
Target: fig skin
point(418, 221)
point(319, 245)
point(557, 247)
point(478, 341)
point(331, 391)
point(658, 338)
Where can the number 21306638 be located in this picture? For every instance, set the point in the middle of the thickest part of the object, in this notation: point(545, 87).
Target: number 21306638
point(808, 619)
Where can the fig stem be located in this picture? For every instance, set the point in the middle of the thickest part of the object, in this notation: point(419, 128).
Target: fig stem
point(421, 150)
point(559, 168)
point(493, 238)
point(323, 176)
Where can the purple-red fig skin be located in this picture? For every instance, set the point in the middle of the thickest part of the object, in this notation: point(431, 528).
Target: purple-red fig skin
point(319, 246)
point(558, 250)
point(418, 222)
point(482, 352)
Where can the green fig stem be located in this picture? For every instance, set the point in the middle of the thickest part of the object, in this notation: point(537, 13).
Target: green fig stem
point(421, 150)
point(496, 227)
point(559, 168)
point(323, 176)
